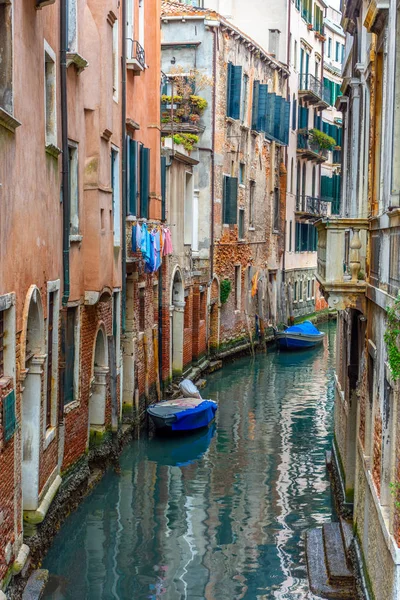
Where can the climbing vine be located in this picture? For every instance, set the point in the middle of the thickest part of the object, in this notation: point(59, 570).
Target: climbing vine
point(391, 337)
point(395, 491)
point(226, 287)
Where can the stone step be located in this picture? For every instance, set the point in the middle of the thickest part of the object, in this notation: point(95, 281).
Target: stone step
point(347, 533)
point(35, 585)
point(317, 571)
point(335, 555)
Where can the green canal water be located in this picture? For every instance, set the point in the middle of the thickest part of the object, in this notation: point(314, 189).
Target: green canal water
point(219, 515)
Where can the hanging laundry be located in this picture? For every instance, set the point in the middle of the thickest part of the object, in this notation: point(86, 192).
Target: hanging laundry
point(168, 242)
point(254, 284)
point(157, 248)
point(150, 259)
point(138, 236)
point(145, 245)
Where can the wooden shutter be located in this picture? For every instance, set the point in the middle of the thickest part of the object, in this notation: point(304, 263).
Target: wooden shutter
point(339, 137)
point(286, 122)
point(235, 90)
point(294, 114)
point(144, 181)
point(262, 107)
point(163, 185)
point(230, 200)
point(297, 238)
point(270, 115)
point(254, 110)
point(228, 89)
point(277, 117)
point(9, 420)
point(132, 177)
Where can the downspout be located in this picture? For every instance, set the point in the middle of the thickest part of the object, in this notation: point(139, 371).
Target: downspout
point(64, 148)
point(124, 182)
point(214, 102)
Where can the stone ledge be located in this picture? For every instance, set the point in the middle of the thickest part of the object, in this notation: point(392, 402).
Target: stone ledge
point(8, 121)
point(34, 517)
point(36, 584)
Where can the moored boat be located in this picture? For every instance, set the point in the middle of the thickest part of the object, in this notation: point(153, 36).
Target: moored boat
point(183, 414)
point(304, 335)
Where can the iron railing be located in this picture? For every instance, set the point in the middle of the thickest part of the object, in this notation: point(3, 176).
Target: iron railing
point(311, 206)
point(306, 142)
point(137, 53)
point(309, 83)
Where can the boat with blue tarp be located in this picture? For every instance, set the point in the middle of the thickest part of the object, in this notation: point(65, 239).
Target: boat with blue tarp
point(187, 413)
point(303, 335)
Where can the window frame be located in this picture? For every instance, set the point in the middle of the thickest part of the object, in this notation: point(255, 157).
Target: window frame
point(8, 83)
point(50, 95)
point(73, 188)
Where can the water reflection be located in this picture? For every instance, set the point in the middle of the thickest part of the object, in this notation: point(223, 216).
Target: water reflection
point(220, 515)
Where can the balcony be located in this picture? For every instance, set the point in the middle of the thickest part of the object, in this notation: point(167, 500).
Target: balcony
point(308, 207)
point(342, 246)
point(309, 148)
point(313, 91)
point(136, 59)
point(182, 115)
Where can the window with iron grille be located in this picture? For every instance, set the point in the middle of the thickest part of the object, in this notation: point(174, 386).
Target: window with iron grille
point(9, 420)
point(1, 343)
point(374, 269)
point(50, 341)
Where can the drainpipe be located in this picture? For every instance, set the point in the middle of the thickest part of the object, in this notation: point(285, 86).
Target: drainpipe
point(124, 182)
point(214, 102)
point(64, 147)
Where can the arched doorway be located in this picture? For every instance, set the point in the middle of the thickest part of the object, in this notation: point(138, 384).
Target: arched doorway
point(177, 322)
point(98, 395)
point(33, 359)
point(214, 316)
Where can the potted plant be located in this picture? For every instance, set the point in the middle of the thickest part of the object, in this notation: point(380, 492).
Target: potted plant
point(321, 140)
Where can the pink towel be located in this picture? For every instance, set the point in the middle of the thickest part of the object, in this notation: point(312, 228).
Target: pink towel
point(167, 242)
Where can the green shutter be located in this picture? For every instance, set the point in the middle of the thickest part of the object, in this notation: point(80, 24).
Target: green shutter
point(228, 89)
point(132, 177)
point(9, 420)
point(326, 188)
point(230, 200)
point(297, 238)
point(270, 115)
point(234, 91)
point(163, 185)
point(286, 123)
point(339, 137)
point(294, 114)
point(69, 356)
point(277, 117)
point(262, 107)
point(254, 112)
point(144, 181)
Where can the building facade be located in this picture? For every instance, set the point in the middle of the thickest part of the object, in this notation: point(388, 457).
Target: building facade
point(240, 180)
point(358, 269)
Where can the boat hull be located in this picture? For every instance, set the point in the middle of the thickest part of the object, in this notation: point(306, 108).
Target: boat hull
point(182, 416)
point(297, 341)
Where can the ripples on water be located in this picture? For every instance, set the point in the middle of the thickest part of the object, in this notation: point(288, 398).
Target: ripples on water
point(220, 515)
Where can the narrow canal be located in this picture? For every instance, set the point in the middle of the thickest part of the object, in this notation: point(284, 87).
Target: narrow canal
point(220, 515)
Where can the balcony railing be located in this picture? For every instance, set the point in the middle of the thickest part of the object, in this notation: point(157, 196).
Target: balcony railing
point(310, 206)
point(136, 58)
point(308, 148)
point(313, 90)
point(341, 261)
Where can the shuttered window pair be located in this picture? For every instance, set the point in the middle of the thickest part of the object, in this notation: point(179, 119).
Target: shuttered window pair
point(138, 179)
point(234, 91)
point(330, 191)
point(303, 117)
point(229, 202)
point(335, 131)
point(306, 237)
point(271, 114)
point(9, 420)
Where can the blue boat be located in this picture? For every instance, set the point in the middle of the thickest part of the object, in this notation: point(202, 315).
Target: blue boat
point(304, 335)
point(183, 414)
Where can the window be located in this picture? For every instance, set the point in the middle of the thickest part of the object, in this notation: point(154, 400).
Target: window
point(290, 234)
point(301, 290)
point(313, 288)
point(273, 42)
point(71, 356)
point(308, 289)
point(229, 203)
point(117, 324)
point(141, 22)
point(238, 286)
point(306, 238)
point(203, 306)
point(132, 177)
point(115, 196)
point(130, 13)
point(342, 56)
point(6, 70)
point(317, 69)
point(241, 224)
point(337, 51)
point(243, 115)
point(242, 168)
point(72, 30)
point(50, 342)
point(9, 420)
point(234, 91)
point(73, 188)
point(295, 292)
point(142, 309)
point(329, 47)
point(251, 205)
point(115, 59)
point(294, 113)
point(50, 96)
point(188, 210)
point(276, 209)
point(295, 54)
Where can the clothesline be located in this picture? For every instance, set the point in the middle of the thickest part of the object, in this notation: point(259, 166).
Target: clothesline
point(153, 244)
point(142, 221)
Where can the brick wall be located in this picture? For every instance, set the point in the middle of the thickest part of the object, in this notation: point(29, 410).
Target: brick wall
point(377, 456)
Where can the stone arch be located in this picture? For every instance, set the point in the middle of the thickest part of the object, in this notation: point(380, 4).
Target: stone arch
point(214, 315)
point(32, 363)
point(98, 391)
point(177, 310)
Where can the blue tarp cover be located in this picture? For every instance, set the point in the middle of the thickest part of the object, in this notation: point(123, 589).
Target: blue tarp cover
point(307, 328)
point(193, 418)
